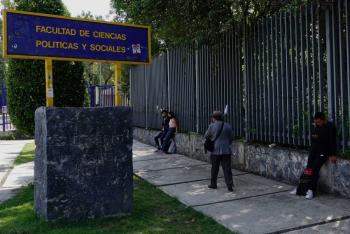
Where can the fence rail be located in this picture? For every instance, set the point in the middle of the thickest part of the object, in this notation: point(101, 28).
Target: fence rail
point(273, 76)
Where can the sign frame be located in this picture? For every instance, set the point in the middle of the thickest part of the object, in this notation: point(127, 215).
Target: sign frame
point(5, 35)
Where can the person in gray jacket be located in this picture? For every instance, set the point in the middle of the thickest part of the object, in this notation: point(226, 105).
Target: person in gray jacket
point(222, 150)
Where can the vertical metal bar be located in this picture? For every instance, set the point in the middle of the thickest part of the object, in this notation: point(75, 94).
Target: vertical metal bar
point(342, 75)
point(293, 76)
point(314, 63)
point(298, 69)
point(273, 81)
point(307, 135)
point(288, 75)
point(303, 77)
point(233, 83)
point(246, 83)
point(261, 72)
point(282, 104)
point(259, 90)
point(268, 78)
point(146, 95)
point(278, 77)
point(264, 80)
point(256, 77)
point(168, 78)
point(330, 62)
point(197, 89)
point(347, 5)
point(320, 55)
point(335, 48)
point(49, 83)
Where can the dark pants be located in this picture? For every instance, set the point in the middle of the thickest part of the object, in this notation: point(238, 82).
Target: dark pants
point(315, 162)
point(225, 161)
point(160, 137)
point(166, 140)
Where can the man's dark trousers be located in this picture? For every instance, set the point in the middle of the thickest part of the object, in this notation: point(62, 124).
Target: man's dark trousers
point(225, 161)
point(315, 162)
point(160, 137)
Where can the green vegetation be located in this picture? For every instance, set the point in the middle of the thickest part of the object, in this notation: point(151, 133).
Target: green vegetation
point(154, 212)
point(26, 78)
point(14, 135)
point(27, 154)
point(176, 23)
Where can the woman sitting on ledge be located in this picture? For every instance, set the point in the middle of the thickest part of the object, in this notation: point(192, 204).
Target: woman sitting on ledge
point(173, 125)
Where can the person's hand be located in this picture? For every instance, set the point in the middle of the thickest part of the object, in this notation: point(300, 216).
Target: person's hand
point(333, 158)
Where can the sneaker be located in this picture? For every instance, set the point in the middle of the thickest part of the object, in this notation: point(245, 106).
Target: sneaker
point(293, 192)
point(309, 194)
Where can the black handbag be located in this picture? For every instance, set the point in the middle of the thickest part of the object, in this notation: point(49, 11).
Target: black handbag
point(304, 182)
point(209, 144)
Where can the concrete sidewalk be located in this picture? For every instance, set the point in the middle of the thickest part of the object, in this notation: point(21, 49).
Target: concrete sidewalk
point(9, 150)
point(257, 205)
point(20, 176)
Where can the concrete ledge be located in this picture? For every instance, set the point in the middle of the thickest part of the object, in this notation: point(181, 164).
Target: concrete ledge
point(279, 163)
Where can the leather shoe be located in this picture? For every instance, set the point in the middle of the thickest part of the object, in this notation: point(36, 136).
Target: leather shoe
point(212, 186)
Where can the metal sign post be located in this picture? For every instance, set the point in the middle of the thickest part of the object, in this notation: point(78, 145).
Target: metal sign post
point(49, 82)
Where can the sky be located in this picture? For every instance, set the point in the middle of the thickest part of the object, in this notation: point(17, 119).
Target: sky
point(97, 7)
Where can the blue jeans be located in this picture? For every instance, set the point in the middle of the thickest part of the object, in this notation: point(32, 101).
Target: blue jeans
point(166, 140)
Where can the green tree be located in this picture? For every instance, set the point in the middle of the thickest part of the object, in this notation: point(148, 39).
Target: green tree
point(178, 22)
point(26, 78)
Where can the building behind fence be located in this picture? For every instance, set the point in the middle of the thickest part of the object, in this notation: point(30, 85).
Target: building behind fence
point(5, 122)
point(103, 96)
point(273, 76)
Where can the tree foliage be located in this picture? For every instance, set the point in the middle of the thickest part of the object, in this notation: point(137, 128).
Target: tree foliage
point(26, 78)
point(179, 22)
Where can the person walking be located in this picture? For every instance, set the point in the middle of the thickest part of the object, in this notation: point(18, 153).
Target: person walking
point(323, 147)
point(173, 125)
point(222, 135)
point(162, 133)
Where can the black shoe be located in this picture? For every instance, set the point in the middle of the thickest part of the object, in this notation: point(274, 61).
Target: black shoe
point(230, 189)
point(212, 186)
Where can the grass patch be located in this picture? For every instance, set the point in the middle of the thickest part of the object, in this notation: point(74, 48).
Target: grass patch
point(154, 212)
point(27, 154)
point(14, 135)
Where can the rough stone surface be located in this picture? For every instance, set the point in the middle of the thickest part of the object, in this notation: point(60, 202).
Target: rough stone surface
point(83, 164)
point(279, 163)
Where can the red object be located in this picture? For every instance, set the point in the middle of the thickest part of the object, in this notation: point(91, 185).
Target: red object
point(308, 171)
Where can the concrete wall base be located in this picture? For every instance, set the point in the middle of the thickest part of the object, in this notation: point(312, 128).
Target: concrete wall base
point(279, 163)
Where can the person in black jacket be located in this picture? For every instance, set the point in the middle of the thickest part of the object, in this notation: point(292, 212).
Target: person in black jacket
point(165, 127)
point(323, 147)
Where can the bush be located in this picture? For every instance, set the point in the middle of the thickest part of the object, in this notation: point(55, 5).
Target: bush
point(26, 78)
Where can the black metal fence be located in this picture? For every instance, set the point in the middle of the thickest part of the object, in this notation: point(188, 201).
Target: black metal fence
point(273, 76)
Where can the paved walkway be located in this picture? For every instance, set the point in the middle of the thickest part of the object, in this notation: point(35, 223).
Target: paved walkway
point(9, 150)
point(257, 205)
point(19, 176)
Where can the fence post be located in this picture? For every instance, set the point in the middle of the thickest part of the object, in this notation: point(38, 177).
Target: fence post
point(197, 89)
point(244, 92)
point(168, 77)
point(330, 65)
point(146, 94)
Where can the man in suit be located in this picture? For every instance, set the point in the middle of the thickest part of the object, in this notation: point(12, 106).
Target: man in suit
point(223, 134)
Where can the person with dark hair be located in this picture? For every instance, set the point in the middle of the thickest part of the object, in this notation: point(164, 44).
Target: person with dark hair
point(323, 147)
point(173, 126)
point(222, 135)
point(165, 127)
